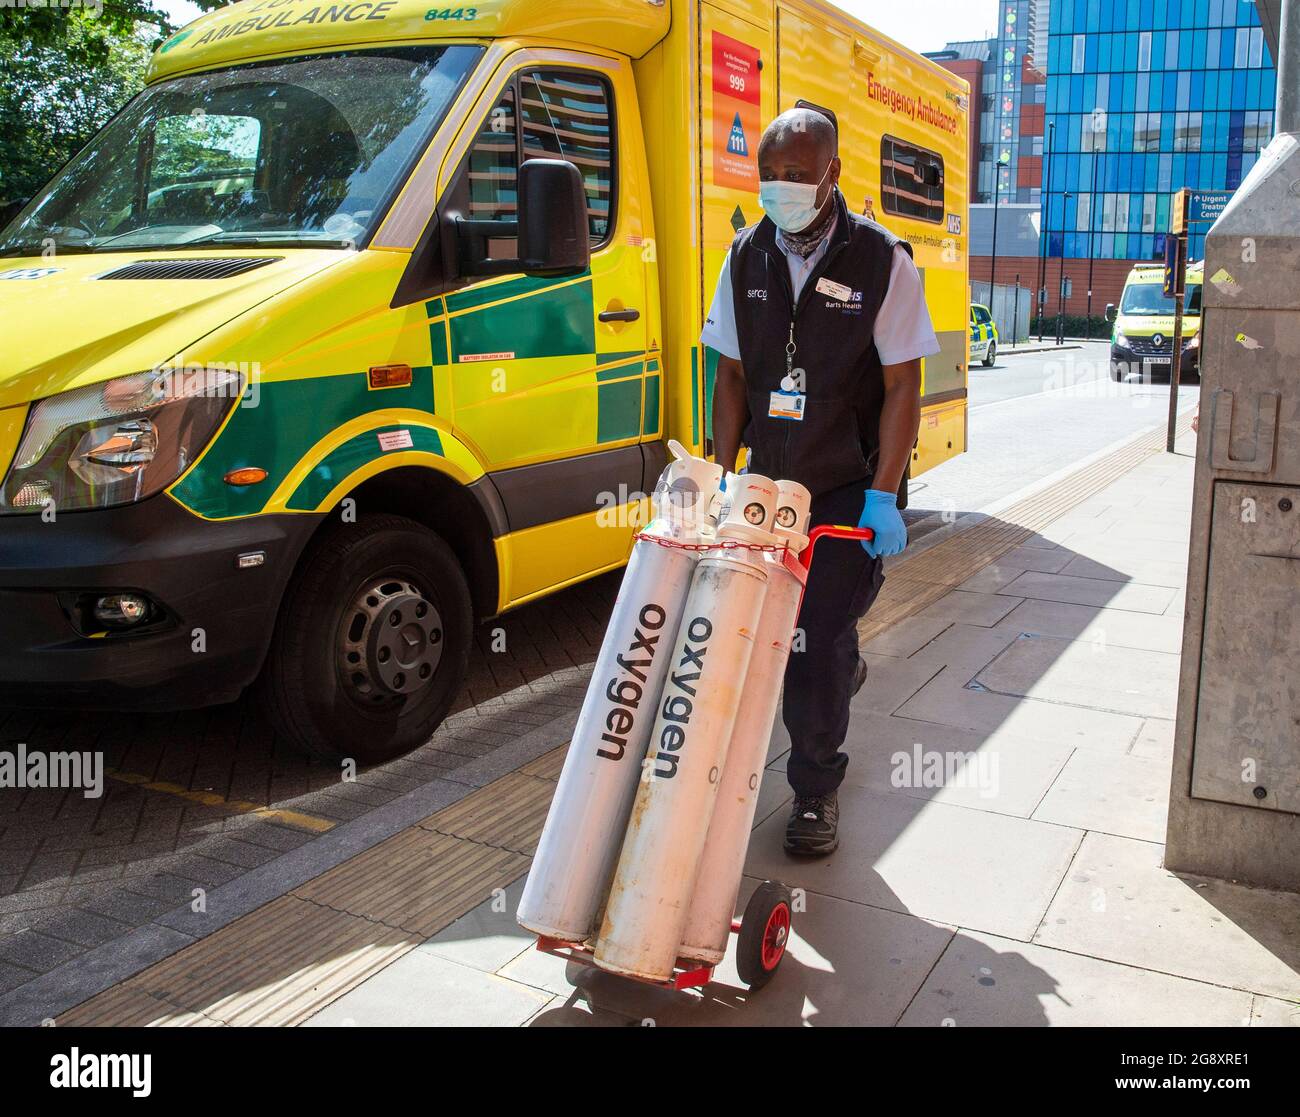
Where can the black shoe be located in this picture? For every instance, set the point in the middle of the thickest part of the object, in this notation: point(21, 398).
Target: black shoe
point(813, 827)
point(860, 676)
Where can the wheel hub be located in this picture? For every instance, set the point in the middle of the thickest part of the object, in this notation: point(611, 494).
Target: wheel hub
point(392, 642)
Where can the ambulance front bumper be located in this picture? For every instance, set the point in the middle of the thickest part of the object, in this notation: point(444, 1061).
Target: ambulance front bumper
point(208, 624)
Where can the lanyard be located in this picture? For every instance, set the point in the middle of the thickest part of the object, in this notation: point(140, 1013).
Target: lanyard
point(794, 377)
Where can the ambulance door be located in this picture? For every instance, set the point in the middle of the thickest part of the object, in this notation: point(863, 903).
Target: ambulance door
point(546, 369)
point(549, 377)
point(737, 99)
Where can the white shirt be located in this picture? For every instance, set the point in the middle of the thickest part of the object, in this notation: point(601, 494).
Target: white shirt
point(903, 331)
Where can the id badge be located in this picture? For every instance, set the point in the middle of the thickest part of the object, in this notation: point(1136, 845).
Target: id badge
point(787, 405)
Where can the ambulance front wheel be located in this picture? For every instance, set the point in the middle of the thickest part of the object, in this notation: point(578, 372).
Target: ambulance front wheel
point(764, 933)
point(372, 643)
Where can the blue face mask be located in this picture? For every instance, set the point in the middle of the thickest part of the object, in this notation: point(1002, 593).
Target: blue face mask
point(792, 206)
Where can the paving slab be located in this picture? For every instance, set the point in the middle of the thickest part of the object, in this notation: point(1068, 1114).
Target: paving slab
point(984, 771)
point(1118, 902)
point(947, 701)
point(487, 937)
point(971, 868)
point(907, 636)
point(423, 990)
point(1269, 1012)
point(1122, 680)
point(1040, 540)
point(964, 649)
point(1147, 571)
point(891, 682)
point(1098, 626)
point(970, 608)
point(986, 981)
point(773, 793)
point(1038, 554)
point(1124, 795)
point(1156, 740)
point(779, 745)
point(1090, 591)
point(993, 578)
point(1154, 539)
point(847, 965)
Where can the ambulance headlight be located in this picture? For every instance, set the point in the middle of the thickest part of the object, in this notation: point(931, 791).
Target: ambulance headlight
point(117, 442)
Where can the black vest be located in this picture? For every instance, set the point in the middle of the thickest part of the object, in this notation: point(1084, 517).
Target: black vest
point(838, 439)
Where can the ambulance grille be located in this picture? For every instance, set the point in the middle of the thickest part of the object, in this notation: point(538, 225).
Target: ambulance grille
point(191, 269)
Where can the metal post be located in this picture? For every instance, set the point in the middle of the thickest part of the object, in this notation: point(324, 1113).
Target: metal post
point(1287, 118)
point(1176, 364)
point(993, 263)
point(1015, 328)
point(1092, 227)
point(1040, 295)
point(1060, 302)
point(1060, 284)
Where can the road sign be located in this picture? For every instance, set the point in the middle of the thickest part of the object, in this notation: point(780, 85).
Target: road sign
point(1197, 207)
point(1178, 216)
point(1206, 205)
point(1175, 265)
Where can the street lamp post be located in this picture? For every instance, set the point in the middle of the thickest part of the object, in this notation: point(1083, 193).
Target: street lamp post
point(1092, 227)
point(1060, 283)
point(1040, 296)
point(1001, 162)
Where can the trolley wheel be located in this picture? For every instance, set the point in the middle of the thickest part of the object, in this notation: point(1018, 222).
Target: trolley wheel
point(764, 933)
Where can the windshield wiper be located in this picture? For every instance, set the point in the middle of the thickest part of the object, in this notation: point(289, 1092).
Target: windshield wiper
point(38, 249)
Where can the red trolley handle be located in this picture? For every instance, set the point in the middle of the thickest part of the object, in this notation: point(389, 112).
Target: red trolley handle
point(832, 531)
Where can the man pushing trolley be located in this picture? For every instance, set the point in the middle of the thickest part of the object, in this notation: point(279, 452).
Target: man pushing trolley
point(821, 323)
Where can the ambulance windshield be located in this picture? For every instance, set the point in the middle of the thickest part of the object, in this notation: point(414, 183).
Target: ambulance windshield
point(304, 152)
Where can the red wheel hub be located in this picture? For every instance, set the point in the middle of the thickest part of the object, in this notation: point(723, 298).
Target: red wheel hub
point(775, 936)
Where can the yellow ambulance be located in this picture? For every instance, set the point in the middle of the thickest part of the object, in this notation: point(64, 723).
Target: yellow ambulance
point(1141, 343)
point(368, 320)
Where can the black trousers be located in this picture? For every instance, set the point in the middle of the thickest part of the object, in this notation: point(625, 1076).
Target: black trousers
point(843, 582)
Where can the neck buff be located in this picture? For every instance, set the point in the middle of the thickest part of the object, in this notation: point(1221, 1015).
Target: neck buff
point(805, 243)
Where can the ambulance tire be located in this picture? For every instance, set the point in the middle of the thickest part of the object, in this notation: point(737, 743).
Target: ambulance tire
point(354, 579)
point(991, 355)
point(764, 933)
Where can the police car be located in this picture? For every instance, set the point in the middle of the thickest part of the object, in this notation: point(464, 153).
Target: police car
point(983, 335)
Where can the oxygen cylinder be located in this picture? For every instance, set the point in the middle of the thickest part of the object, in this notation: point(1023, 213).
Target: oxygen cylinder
point(717, 881)
point(579, 845)
point(652, 885)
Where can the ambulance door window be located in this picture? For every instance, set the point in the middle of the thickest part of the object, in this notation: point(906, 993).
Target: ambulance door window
point(493, 172)
point(911, 180)
point(568, 115)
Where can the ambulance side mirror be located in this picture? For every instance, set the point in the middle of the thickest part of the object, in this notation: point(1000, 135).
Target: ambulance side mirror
point(1110, 312)
point(554, 237)
point(548, 237)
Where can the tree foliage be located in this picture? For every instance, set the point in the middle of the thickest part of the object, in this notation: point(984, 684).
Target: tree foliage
point(66, 71)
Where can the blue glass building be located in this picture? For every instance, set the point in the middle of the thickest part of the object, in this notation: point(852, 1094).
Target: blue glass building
point(1148, 96)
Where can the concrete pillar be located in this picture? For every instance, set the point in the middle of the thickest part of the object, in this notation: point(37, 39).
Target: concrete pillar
point(1234, 808)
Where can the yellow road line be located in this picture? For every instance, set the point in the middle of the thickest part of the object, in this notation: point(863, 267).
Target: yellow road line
point(238, 806)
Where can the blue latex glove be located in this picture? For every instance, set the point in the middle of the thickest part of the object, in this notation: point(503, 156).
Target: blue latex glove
point(880, 513)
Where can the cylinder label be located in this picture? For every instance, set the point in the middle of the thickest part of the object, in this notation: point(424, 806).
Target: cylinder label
point(679, 706)
point(626, 689)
